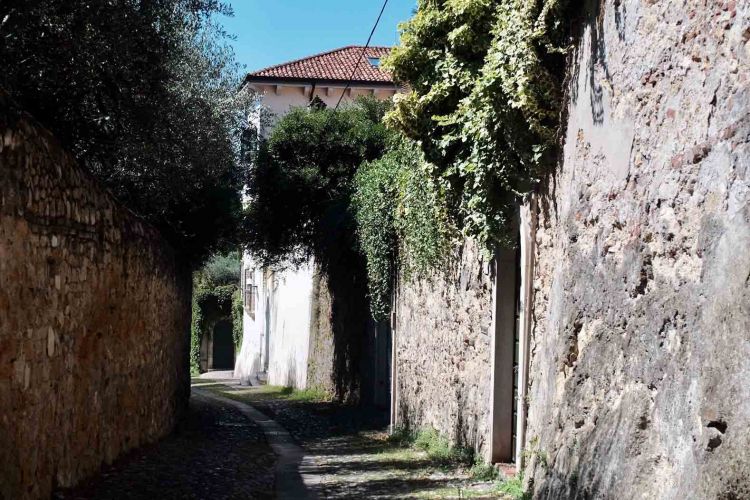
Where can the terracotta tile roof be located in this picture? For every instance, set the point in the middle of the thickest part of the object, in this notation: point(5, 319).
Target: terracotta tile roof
point(334, 65)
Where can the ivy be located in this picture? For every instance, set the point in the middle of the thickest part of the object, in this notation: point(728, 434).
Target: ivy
point(215, 292)
point(401, 220)
point(485, 82)
point(237, 310)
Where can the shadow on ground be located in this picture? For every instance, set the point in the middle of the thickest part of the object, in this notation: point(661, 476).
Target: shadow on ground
point(214, 452)
point(348, 454)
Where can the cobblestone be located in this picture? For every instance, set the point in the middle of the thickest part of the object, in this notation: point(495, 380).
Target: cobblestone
point(347, 454)
point(215, 452)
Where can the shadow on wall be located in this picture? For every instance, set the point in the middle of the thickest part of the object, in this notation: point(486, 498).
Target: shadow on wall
point(350, 311)
point(590, 15)
point(291, 374)
point(340, 332)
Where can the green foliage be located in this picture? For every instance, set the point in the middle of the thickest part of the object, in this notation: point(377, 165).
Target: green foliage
point(222, 269)
point(300, 181)
point(401, 436)
point(513, 487)
point(237, 310)
point(400, 220)
point(482, 471)
point(215, 297)
point(145, 96)
point(310, 395)
point(437, 447)
point(376, 192)
point(485, 100)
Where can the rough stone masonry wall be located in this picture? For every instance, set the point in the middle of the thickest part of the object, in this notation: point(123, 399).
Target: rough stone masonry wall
point(443, 358)
point(94, 319)
point(641, 345)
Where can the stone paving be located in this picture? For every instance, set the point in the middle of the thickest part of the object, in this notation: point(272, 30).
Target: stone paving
point(214, 453)
point(240, 442)
point(347, 454)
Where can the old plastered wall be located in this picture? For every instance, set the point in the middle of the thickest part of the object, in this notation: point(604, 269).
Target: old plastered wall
point(94, 319)
point(443, 358)
point(641, 344)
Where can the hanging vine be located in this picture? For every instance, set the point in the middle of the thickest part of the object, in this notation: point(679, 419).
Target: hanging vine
point(485, 81)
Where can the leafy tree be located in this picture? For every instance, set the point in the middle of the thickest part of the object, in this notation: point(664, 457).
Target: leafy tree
point(485, 82)
point(143, 92)
point(301, 181)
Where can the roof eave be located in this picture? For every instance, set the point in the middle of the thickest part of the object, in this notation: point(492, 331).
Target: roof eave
point(275, 80)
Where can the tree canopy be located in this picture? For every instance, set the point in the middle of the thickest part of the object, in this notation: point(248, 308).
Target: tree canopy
point(301, 180)
point(144, 94)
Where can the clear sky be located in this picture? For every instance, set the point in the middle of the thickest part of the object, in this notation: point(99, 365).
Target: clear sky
point(275, 31)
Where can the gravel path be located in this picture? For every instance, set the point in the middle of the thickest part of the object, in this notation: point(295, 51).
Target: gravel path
point(215, 452)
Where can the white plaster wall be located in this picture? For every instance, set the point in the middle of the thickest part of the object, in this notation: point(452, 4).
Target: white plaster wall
point(248, 361)
point(290, 303)
point(279, 100)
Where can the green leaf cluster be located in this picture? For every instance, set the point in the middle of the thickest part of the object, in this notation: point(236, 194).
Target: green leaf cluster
point(144, 94)
point(484, 101)
point(401, 220)
point(215, 297)
point(300, 181)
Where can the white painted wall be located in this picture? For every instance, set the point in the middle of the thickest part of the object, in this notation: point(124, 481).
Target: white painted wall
point(249, 360)
point(290, 294)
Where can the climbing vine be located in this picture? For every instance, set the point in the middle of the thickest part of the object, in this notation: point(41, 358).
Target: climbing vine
point(237, 309)
point(401, 220)
point(215, 287)
point(485, 82)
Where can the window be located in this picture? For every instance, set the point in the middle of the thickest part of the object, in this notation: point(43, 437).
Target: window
point(249, 291)
point(374, 61)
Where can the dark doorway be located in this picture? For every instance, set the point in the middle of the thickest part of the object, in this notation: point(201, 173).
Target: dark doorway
point(223, 346)
point(505, 388)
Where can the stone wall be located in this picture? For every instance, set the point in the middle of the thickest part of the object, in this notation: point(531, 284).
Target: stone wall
point(443, 351)
point(94, 319)
point(641, 343)
point(321, 352)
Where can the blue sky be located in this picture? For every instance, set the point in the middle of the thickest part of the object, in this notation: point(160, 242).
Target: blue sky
point(275, 31)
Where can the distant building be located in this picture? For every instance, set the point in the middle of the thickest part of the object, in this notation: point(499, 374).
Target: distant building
point(278, 305)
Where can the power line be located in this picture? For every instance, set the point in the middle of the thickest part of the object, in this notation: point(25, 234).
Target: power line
point(361, 54)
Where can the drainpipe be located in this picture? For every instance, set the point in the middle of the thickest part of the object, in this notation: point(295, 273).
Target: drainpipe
point(394, 360)
point(528, 226)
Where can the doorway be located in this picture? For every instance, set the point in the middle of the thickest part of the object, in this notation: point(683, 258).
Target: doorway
point(223, 346)
point(512, 296)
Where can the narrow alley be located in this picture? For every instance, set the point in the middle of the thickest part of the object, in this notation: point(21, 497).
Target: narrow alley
point(397, 249)
point(226, 447)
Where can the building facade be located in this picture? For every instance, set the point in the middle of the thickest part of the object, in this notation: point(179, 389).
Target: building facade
point(280, 309)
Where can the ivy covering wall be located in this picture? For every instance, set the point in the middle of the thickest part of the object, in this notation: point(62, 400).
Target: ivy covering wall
point(401, 220)
point(485, 80)
point(215, 298)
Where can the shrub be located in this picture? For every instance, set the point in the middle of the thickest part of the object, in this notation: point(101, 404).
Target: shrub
point(482, 471)
point(300, 181)
point(513, 487)
point(439, 449)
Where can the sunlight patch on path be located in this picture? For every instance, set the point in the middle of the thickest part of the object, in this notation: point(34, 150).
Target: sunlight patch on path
point(343, 460)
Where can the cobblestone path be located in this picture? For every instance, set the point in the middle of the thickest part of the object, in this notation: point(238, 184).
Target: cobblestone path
point(219, 451)
point(214, 453)
point(347, 454)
